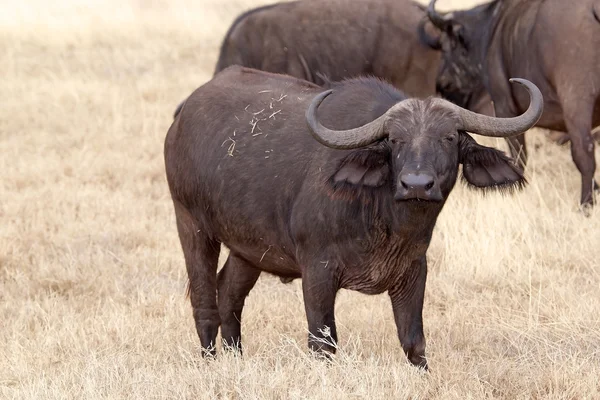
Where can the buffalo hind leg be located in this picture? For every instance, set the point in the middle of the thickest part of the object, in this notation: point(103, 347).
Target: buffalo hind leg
point(319, 290)
point(407, 303)
point(578, 119)
point(235, 281)
point(201, 257)
point(518, 150)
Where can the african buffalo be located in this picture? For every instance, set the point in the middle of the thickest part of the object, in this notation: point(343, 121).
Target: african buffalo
point(553, 43)
point(329, 40)
point(323, 41)
point(353, 209)
point(335, 38)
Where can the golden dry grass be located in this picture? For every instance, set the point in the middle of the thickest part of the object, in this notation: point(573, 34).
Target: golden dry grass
point(92, 279)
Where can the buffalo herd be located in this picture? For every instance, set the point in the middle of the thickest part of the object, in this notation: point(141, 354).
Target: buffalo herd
point(333, 131)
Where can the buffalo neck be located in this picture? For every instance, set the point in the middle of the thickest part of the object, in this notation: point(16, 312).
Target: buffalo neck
point(414, 213)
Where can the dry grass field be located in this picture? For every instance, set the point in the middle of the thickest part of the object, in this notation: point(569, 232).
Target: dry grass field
point(92, 279)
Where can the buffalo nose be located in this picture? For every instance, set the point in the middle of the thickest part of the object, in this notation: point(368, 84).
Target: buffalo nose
point(417, 181)
point(420, 186)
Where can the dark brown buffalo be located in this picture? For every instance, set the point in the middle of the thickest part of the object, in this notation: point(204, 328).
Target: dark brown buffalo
point(335, 38)
point(353, 209)
point(330, 40)
point(553, 43)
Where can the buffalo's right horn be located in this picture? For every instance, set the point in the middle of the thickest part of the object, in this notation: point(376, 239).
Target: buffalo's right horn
point(348, 139)
point(502, 127)
point(436, 19)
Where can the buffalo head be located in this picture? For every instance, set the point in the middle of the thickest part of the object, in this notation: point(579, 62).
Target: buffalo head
point(426, 142)
point(461, 34)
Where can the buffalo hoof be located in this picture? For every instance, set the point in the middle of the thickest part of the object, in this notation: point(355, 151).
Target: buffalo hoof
point(586, 210)
point(234, 349)
point(322, 355)
point(209, 354)
point(588, 205)
point(421, 363)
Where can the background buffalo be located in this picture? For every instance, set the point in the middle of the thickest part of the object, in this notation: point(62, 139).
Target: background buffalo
point(554, 43)
point(336, 39)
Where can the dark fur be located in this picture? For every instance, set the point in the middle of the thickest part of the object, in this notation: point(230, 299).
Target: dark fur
point(222, 62)
point(537, 40)
point(367, 37)
point(287, 205)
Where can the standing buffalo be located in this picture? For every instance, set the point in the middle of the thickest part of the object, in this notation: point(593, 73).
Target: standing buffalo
point(353, 209)
point(554, 43)
point(335, 38)
point(330, 40)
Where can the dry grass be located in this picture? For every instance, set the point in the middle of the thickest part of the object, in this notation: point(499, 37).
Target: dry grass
point(92, 279)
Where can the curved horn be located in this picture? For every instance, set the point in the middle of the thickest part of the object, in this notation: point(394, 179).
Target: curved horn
point(427, 39)
point(348, 139)
point(436, 19)
point(503, 127)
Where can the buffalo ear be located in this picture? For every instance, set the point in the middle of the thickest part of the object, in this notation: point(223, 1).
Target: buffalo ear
point(488, 168)
point(364, 167)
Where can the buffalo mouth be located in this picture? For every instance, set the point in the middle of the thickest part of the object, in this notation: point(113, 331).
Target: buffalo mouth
point(419, 201)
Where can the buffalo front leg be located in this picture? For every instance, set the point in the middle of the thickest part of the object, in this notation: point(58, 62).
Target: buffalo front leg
point(235, 281)
point(578, 119)
point(407, 303)
point(319, 290)
point(201, 257)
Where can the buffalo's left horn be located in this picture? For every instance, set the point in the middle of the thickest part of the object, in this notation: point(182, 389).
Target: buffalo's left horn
point(436, 19)
point(502, 127)
point(348, 139)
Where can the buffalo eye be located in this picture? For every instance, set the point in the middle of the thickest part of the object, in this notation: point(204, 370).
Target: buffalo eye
point(450, 139)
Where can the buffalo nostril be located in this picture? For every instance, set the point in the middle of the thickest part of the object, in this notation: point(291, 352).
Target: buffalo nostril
point(419, 182)
point(419, 185)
